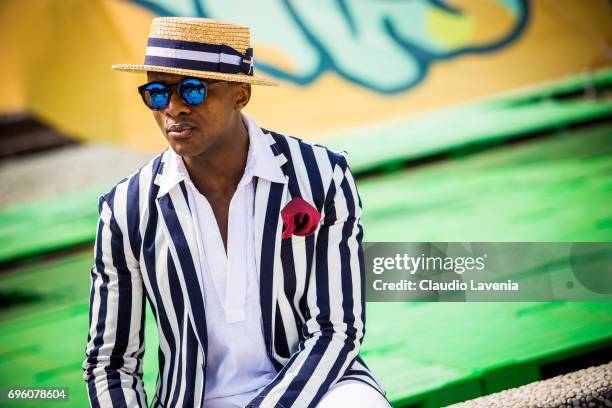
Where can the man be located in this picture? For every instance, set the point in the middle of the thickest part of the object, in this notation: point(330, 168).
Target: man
point(246, 242)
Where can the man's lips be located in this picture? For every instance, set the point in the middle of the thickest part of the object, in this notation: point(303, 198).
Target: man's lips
point(179, 130)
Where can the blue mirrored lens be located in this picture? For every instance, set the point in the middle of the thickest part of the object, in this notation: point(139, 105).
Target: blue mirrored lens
point(192, 91)
point(157, 95)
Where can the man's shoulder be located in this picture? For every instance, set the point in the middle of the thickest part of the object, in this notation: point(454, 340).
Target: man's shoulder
point(291, 145)
point(133, 184)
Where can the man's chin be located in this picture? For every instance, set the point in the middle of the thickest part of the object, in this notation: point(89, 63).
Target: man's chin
point(185, 149)
point(181, 149)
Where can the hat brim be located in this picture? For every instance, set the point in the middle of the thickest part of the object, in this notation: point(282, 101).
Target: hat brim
point(250, 79)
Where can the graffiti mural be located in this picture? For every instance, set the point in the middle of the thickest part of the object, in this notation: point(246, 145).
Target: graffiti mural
point(387, 46)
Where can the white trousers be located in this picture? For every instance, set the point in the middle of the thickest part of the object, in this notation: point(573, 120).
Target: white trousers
point(349, 393)
point(354, 394)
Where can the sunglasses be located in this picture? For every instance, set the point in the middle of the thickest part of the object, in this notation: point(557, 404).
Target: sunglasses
point(192, 91)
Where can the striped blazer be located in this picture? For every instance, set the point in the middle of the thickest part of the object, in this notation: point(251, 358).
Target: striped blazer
point(311, 288)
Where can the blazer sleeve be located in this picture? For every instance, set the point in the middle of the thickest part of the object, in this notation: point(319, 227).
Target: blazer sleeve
point(335, 314)
point(112, 368)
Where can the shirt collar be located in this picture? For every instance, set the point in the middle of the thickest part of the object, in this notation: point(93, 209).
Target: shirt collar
point(265, 163)
point(261, 161)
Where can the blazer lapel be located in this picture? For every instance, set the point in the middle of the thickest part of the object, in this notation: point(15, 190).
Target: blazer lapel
point(178, 228)
point(270, 198)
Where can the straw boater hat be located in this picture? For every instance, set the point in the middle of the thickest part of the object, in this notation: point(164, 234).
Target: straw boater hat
point(199, 47)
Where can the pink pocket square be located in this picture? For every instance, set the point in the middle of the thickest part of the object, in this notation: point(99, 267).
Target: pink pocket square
point(299, 218)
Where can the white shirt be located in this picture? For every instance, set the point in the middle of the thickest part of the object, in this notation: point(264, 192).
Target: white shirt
point(237, 364)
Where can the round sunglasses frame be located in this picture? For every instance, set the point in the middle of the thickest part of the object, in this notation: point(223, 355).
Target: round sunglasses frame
point(175, 88)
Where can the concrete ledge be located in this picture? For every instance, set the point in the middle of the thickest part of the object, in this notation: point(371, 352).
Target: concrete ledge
point(591, 387)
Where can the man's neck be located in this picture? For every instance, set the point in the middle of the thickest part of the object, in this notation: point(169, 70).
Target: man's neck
point(218, 172)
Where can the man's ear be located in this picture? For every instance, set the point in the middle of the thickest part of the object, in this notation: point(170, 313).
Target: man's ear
point(242, 92)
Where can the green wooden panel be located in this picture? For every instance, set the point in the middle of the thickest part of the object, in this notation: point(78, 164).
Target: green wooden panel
point(556, 189)
point(488, 120)
point(47, 349)
point(49, 225)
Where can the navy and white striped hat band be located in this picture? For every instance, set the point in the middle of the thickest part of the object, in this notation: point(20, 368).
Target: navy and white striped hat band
point(198, 56)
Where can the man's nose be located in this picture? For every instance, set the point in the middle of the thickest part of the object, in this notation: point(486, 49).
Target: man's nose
point(176, 106)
